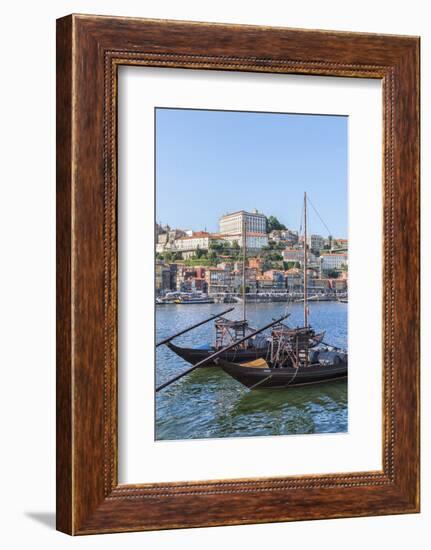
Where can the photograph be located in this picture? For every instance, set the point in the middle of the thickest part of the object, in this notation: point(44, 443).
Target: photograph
point(251, 273)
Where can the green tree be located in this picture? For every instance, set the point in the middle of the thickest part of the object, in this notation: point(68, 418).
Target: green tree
point(272, 224)
point(200, 253)
point(332, 273)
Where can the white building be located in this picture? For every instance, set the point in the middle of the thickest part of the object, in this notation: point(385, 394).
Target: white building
point(233, 223)
point(253, 241)
point(231, 228)
point(333, 261)
point(200, 239)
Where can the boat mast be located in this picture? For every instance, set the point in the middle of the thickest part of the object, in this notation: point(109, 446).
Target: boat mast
point(305, 263)
point(244, 307)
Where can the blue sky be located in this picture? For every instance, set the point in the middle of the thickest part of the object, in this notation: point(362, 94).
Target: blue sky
point(212, 162)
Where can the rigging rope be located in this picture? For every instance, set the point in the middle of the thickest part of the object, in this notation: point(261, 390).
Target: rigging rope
point(319, 216)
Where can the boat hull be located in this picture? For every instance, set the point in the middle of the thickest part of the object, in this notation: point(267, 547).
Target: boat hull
point(195, 355)
point(286, 377)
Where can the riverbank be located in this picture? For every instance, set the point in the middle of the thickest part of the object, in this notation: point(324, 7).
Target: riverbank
point(258, 298)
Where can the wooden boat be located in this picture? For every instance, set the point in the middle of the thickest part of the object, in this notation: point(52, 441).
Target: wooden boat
point(196, 355)
point(227, 332)
point(290, 362)
point(260, 374)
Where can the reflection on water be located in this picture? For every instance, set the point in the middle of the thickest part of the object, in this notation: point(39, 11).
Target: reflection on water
point(209, 403)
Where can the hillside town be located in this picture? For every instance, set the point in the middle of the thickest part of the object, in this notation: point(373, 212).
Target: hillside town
point(210, 266)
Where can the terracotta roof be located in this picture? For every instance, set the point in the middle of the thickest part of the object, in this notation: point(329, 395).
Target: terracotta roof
point(197, 235)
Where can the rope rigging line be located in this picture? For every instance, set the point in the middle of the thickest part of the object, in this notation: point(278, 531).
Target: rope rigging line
point(319, 216)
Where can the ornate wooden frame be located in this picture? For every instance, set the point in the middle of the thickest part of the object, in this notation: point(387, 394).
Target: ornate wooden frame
point(89, 51)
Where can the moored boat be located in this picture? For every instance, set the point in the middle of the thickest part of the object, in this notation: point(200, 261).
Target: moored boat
point(193, 298)
point(254, 348)
point(261, 374)
point(195, 355)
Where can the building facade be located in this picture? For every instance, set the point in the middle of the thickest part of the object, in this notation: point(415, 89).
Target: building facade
point(218, 280)
point(162, 277)
point(232, 223)
point(200, 239)
point(333, 261)
point(231, 229)
point(315, 242)
point(284, 236)
point(297, 255)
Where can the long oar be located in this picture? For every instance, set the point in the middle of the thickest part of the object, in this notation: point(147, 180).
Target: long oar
point(166, 340)
point(217, 353)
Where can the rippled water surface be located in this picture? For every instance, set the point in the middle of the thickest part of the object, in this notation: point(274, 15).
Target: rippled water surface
point(209, 403)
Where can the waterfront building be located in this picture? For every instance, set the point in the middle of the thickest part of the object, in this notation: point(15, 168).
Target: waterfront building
point(294, 279)
point(198, 284)
point(237, 279)
point(333, 261)
point(318, 285)
point(184, 276)
point(338, 285)
point(271, 281)
point(162, 277)
point(191, 279)
point(173, 271)
point(218, 280)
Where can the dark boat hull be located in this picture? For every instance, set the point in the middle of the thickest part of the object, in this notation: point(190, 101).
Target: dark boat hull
point(286, 377)
point(194, 355)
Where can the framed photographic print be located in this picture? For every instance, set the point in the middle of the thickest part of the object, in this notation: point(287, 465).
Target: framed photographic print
point(237, 274)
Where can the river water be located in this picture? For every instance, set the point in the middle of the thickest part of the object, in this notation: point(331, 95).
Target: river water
point(209, 403)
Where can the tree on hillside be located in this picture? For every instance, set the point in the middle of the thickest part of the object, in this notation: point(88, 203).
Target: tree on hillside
point(332, 273)
point(273, 224)
point(199, 253)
